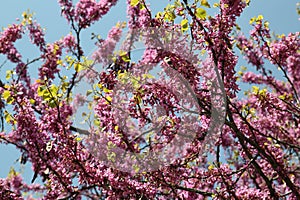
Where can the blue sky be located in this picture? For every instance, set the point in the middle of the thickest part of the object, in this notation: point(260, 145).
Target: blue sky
point(280, 13)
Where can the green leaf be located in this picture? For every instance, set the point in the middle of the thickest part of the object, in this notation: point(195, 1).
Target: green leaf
point(211, 167)
point(177, 3)
point(255, 89)
point(78, 67)
point(46, 96)
point(8, 118)
point(88, 63)
point(135, 83)
point(252, 20)
point(158, 15)
point(10, 100)
point(8, 74)
point(134, 2)
point(124, 56)
point(169, 15)
point(259, 18)
point(108, 99)
point(6, 95)
point(88, 92)
point(205, 3)
point(138, 99)
point(41, 90)
point(53, 90)
point(184, 25)
point(216, 5)
point(136, 168)
point(52, 103)
point(32, 101)
point(148, 76)
point(104, 89)
point(142, 6)
point(12, 173)
point(97, 122)
point(64, 86)
point(200, 13)
point(282, 97)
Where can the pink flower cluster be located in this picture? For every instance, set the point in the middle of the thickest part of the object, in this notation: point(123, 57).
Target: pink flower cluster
point(51, 56)
point(107, 47)
point(70, 44)
point(252, 53)
point(67, 9)
point(138, 18)
point(8, 37)
point(37, 36)
point(216, 33)
point(253, 156)
point(279, 86)
point(86, 12)
point(285, 52)
point(14, 187)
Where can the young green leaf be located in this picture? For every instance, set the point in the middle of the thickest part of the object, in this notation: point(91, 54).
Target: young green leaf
point(8, 74)
point(6, 95)
point(88, 92)
point(134, 2)
point(78, 67)
point(169, 15)
point(205, 3)
point(200, 13)
point(184, 25)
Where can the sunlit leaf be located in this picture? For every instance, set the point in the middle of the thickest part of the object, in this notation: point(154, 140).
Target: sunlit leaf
point(134, 2)
point(41, 91)
point(184, 25)
point(106, 90)
point(10, 100)
point(88, 92)
point(260, 17)
point(200, 13)
point(53, 90)
point(8, 118)
point(169, 15)
point(108, 98)
point(205, 3)
point(78, 67)
point(8, 74)
point(32, 101)
point(52, 103)
point(6, 95)
point(124, 56)
point(216, 5)
point(148, 76)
